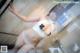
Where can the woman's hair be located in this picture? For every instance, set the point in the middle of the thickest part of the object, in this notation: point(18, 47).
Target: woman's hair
point(36, 40)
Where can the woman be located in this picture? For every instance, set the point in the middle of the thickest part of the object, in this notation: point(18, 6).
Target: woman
point(28, 39)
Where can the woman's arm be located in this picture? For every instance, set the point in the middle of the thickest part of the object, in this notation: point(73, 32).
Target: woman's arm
point(23, 18)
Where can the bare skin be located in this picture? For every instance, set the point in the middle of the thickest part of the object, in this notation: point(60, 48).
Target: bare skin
point(13, 10)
